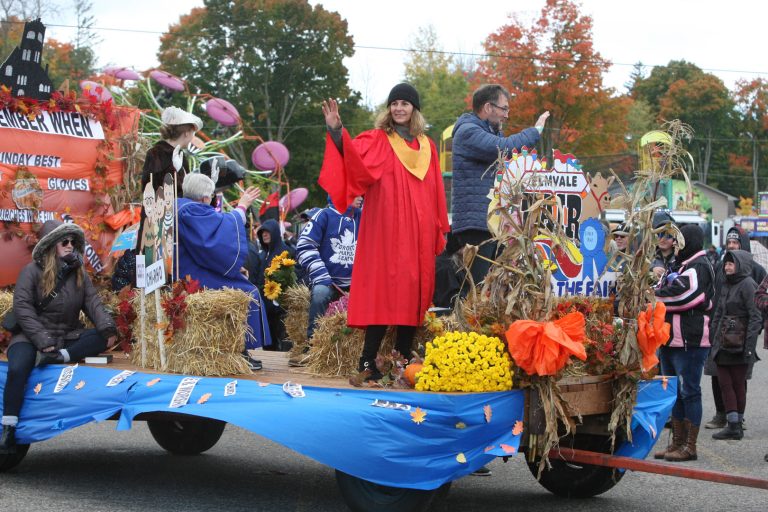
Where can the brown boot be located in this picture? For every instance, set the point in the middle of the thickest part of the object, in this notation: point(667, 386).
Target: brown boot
point(687, 451)
point(678, 439)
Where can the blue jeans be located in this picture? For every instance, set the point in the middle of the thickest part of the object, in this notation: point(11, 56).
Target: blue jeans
point(687, 365)
point(321, 295)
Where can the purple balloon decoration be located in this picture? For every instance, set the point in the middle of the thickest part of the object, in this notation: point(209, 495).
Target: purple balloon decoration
point(97, 90)
point(122, 73)
point(262, 156)
point(222, 111)
point(167, 80)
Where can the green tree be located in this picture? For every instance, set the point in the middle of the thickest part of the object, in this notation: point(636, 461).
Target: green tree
point(442, 85)
point(704, 102)
point(275, 61)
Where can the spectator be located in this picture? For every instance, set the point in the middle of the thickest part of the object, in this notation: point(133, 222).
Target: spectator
point(272, 244)
point(477, 141)
point(736, 325)
point(326, 249)
point(212, 249)
point(665, 259)
point(735, 239)
point(687, 293)
point(49, 330)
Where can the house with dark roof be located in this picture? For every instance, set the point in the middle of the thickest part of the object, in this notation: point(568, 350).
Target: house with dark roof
point(22, 72)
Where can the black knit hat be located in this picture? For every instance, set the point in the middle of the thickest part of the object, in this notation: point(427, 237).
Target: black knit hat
point(404, 92)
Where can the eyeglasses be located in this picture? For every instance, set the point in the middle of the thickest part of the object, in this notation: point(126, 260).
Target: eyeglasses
point(503, 109)
point(66, 242)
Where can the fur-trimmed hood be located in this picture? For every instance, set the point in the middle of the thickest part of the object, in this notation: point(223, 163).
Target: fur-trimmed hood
point(53, 231)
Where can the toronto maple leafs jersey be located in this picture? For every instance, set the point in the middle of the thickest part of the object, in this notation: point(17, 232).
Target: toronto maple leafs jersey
point(326, 246)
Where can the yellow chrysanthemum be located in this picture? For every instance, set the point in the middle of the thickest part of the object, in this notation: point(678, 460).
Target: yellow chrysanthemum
point(288, 262)
point(272, 290)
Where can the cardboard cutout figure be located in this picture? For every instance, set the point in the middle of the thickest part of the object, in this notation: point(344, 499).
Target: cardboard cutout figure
point(149, 229)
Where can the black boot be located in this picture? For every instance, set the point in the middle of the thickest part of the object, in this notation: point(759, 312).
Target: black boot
point(732, 431)
point(8, 440)
point(369, 365)
point(44, 358)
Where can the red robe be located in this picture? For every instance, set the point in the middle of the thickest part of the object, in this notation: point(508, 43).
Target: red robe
point(401, 230)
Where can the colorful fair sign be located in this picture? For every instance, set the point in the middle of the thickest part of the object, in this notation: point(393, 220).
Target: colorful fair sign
point(578, 268)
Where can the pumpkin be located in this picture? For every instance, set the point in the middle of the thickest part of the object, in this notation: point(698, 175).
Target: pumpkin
point(410, 372)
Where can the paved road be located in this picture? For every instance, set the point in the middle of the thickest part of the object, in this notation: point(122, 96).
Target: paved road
point(95, 468)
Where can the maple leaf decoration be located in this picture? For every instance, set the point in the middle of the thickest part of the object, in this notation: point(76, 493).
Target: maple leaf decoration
point(461, 458)
point(80, 385)
point(664, 383)
point(38, 388)
point(518, 428)
point(153, 382)
point(488, 412)
point(508, 448)
point(204, 398)
point(418, 415)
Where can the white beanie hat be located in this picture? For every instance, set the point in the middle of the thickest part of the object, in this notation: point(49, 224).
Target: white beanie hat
point(176, 116)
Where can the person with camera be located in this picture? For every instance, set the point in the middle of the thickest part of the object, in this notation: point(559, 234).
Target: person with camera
point(736, 325)
point(50, 293)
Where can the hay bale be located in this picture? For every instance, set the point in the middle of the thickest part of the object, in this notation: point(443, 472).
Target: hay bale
point(6, 302)
point(336, 348)
point(211, 341)
point(295, 300)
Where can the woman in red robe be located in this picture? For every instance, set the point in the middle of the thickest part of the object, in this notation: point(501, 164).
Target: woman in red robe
point(395, 167)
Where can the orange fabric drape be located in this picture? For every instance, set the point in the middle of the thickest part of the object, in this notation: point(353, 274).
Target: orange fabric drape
point(543, 348)
point(652, 332)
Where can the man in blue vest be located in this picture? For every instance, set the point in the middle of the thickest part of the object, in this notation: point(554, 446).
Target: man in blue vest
point(477, 140)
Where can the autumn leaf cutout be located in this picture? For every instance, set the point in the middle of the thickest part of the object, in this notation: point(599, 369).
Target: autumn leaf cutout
point(664, 383)
point(488, 412)
point(461, 458)
point(518, 428)
point(461, 425)
point(153, 382)
point(38, 388)
point(204, 398)
point(418, 415)
point(508, 448)
point(80, 385)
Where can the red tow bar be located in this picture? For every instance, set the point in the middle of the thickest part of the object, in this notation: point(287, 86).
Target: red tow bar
point(660, 468)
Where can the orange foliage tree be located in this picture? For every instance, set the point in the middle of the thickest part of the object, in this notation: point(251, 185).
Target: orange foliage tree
point(553, 65)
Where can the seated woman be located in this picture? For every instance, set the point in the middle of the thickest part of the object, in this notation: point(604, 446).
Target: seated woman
point(49, 295)
point(213, 248)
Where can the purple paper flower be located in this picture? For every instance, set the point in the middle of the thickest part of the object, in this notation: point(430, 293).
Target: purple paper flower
point(167, 80)
point(222, 111)
point(122, 73)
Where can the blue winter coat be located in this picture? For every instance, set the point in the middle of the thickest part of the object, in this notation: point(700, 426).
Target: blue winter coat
point(475, 148)
point(212, 249)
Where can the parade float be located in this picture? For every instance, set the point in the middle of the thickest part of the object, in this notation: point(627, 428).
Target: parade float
point(551, 357)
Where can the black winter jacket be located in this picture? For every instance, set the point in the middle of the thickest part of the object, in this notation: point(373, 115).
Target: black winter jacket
point(737, 298)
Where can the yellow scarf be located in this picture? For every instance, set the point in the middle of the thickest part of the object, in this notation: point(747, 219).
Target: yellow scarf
point(416, 161)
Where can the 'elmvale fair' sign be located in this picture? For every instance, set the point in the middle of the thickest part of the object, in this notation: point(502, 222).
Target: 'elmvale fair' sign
point(579, 266)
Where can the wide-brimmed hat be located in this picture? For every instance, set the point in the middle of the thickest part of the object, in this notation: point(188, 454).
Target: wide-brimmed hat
point(176, 116)
point(53, 231)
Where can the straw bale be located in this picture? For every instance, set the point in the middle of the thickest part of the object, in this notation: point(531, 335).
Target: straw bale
point(6, 302)
point(336, 348)
point(295, 300)
point(211, 341)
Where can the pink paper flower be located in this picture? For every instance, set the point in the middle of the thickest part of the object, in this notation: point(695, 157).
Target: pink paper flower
point(122, 73)
point(167, 80)
point(222, 111)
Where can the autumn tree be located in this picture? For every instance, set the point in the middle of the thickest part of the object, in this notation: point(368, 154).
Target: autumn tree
point(751, 98)
point(275, 61)
point(552, 65)
point(441, 82)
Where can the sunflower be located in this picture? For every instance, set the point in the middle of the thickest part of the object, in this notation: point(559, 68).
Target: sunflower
point(272, 289)
point(288, 262)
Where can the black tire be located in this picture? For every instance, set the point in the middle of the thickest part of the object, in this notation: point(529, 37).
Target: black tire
point(571, 480)
point(186, 437)
point(364, 496)
point(11, 460)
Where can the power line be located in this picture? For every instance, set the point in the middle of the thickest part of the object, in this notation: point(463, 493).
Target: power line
point(441, 52)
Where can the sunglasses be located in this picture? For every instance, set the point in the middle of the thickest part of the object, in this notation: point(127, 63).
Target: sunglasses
point(66, 242)
point(665, 235)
